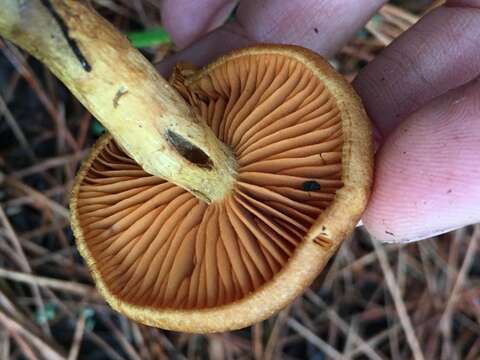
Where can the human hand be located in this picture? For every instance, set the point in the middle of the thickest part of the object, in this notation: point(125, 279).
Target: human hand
point(422, 93)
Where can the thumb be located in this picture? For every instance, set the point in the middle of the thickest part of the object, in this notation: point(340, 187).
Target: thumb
point(427, 177)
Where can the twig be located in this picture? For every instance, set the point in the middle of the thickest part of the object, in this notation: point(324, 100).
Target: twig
point(45, 349)
point(459, 283)
point(269, 352)
point(257, 343)
point(313, 339)
point(55, 284)
point(385, 40)
point(16, 129)
point(25, 266)
point(50, 163)
point(25, 347)
point(139, 341)
point(18, 61)
point(27, 199)
point(77, 338)
point(121, 338)
point(39, 197)
point(400, 13)
point(398, 301)
point(343, 326)
point(4, 344)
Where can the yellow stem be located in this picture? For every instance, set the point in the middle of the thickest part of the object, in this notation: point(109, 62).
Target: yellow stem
point(145, 115)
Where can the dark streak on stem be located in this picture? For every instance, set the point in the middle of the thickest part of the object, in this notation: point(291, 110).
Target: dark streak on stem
point(71, 42)
point(189, 151)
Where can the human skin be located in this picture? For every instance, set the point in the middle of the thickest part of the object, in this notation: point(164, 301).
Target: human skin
point(422, 94)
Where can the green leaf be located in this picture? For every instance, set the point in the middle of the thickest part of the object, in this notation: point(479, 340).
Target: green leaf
point(46, 314)
point(97, 128)
point(89, 314)
point(149, 37)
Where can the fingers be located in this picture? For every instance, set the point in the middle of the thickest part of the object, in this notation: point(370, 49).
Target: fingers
point(428, 173)
point(321, 25)
point(227, 37)
point(439, 53)
point(187, 20)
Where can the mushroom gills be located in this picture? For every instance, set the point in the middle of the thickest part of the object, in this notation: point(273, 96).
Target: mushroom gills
point(157, 245)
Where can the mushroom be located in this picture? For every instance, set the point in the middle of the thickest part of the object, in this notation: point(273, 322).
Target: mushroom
point(275, 176)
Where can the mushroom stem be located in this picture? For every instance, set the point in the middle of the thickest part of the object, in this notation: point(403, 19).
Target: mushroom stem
point(145, 115)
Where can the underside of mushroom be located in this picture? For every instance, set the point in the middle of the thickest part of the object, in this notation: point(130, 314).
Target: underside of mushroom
point(156, 245)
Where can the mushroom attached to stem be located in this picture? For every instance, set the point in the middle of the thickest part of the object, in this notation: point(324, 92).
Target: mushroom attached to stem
point(288, 133)
point(303, 147)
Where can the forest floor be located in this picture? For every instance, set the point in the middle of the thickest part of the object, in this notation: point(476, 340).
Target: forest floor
point(374, 301)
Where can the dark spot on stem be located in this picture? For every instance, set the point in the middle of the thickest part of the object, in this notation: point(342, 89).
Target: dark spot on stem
point(311, 185)
point(188, 150)
point(200, 195)
point(120, 92)
point(71, 42)
point(389, 233)
point(316, 30)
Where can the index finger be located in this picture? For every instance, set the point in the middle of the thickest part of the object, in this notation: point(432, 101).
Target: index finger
point(320, 25)
point(437, 54)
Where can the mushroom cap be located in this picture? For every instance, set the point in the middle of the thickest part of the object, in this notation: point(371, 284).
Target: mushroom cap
point(304, 148)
